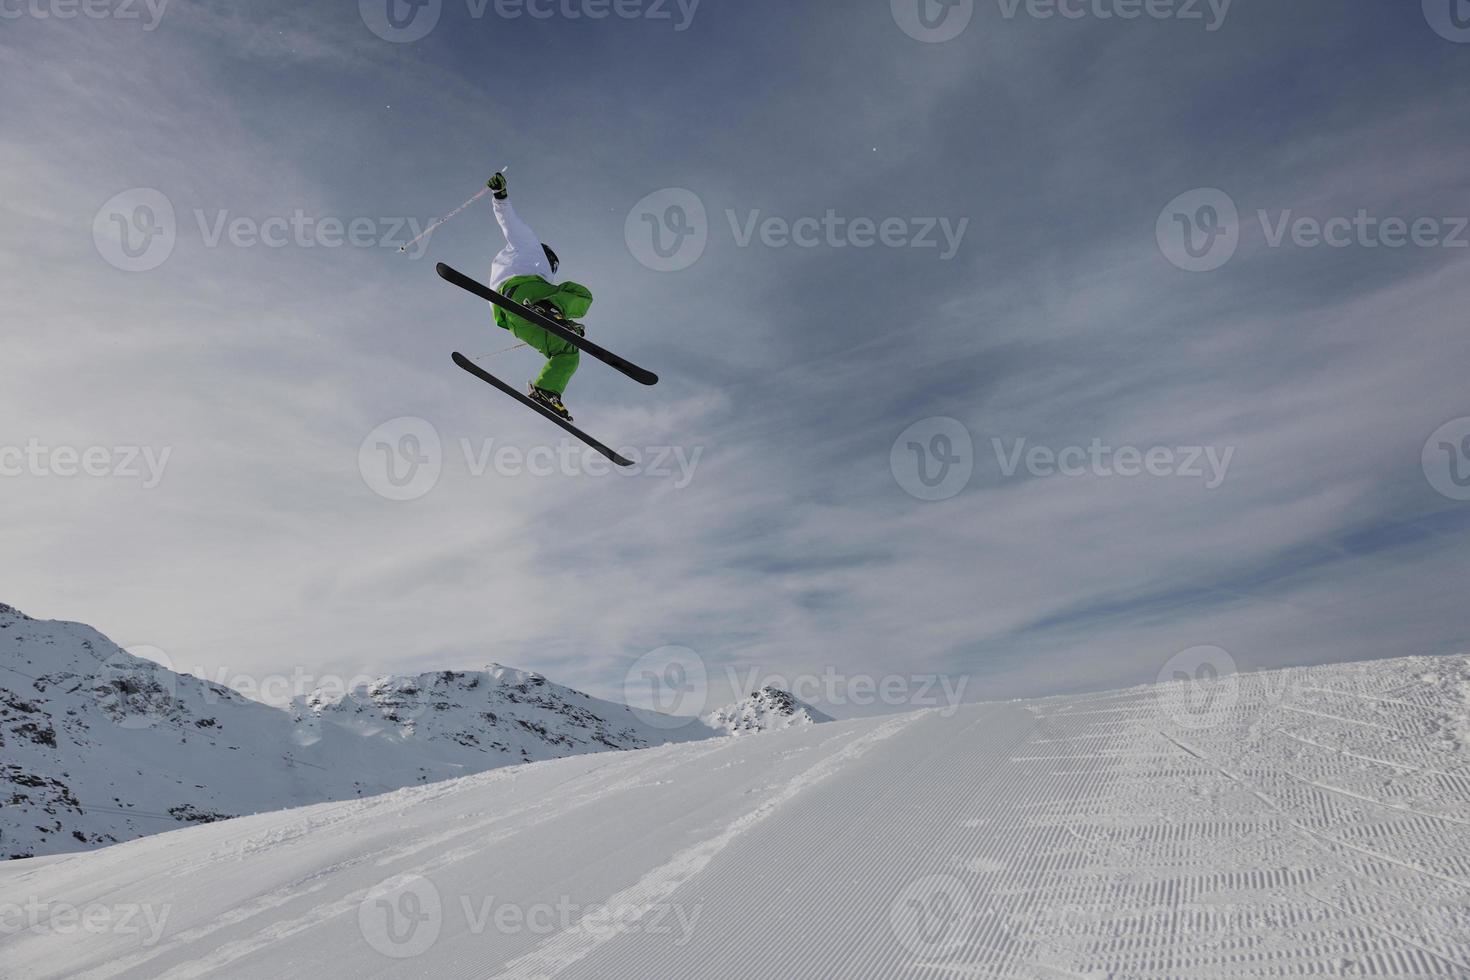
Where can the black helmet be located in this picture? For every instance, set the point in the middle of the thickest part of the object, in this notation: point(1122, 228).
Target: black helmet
point(551, 257)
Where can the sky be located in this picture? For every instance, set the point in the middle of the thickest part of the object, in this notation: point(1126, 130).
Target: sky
point(1007, 348)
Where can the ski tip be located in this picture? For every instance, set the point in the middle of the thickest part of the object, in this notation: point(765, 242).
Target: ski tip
point(443, 270)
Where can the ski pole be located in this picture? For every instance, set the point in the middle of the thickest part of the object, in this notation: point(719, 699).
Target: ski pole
point(497, 353)
point(430, 230)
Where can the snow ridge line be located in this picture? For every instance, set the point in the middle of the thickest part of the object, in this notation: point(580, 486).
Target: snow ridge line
point(573, 944)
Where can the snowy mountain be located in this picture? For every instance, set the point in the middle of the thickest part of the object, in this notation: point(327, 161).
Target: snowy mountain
point(1304, 823)
point(501, 715)
point(769, 709)
point(99, 746)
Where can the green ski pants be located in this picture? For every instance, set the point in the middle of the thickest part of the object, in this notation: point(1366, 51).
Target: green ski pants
point(562, 359)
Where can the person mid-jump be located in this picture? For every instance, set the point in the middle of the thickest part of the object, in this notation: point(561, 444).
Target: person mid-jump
point(523, 271)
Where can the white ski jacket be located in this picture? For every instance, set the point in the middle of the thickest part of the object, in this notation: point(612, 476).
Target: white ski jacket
point(522, 255)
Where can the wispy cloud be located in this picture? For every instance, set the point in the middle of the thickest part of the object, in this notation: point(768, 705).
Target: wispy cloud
point(789, 372)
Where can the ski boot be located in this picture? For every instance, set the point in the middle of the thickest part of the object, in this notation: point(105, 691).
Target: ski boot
point(550, 400)
point(550, 310)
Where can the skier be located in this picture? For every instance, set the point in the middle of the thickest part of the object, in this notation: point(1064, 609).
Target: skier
point(523, 272)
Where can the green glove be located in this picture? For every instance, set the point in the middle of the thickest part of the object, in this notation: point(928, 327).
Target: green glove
point(496, 183)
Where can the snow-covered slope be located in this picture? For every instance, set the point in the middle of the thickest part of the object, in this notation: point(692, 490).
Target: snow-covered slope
point(99, 746)
point(769, 709)
point(1305, 823)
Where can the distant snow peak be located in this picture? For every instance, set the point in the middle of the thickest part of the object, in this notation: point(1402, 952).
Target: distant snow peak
point(769, 709)
point(514, 676)
point(481, 719)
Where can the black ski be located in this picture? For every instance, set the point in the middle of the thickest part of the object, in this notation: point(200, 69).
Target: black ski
point(489, 378)
point(638, 374)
